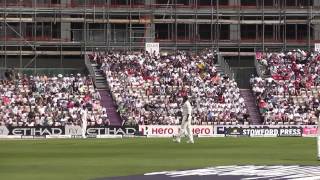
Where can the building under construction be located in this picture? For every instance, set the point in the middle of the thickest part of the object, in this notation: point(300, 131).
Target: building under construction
point(32, 31)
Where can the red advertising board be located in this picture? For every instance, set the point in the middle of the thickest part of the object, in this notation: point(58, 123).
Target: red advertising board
point(310, 132)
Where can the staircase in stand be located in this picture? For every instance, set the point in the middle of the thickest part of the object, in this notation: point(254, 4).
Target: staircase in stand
point(107, 102)
point(219, 69)
point(106, 98)
point(101, 83)
point(253, 109)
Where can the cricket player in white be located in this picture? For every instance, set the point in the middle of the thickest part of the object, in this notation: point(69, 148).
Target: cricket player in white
point(84, 115)
point(186, 122)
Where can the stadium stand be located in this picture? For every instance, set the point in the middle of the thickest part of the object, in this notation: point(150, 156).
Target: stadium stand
point(290, 92)
point(148, 89)
point(49, 101)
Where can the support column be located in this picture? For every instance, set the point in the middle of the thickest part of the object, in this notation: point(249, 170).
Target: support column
point(316, 27)
point(65, 27)
point(235, 31)
point(66, 31)
point(150, 32)
point(108, 26)
point(316, 31)
point(316, 2)
point(234, 2)
point(150, 28)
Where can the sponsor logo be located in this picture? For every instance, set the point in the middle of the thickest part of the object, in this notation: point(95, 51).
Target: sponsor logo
point(220, 130)
point(111, 131)
point(248, 172)
point(4, 131)
point(310, 131)
point(66, 130)
point(261, 131)
point(293, 131)
point(173, 130)
point(234, 131)
point(35, 131)
point(73, 130)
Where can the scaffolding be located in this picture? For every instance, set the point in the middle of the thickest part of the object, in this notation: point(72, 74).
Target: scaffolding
point(34, 29)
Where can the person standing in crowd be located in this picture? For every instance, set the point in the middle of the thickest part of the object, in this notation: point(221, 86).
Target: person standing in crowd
point(186, 122)
point(84, 115)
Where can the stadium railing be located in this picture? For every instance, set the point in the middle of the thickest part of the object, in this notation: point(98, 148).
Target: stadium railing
point(225, 66)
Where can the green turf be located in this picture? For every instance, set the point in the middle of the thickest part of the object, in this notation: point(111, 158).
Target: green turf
point(93, 158)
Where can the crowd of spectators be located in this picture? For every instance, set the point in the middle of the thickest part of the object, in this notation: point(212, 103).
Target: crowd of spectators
point(49, 101)
point(148, 88)
point(290, 95)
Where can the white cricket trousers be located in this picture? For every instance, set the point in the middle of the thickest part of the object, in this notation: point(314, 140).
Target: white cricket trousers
point(84, 129)
point(185, 129)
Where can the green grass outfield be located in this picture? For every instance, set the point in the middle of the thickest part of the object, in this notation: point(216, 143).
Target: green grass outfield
point(94, 158)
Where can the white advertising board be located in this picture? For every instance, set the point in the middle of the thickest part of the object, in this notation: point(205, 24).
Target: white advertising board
point(170, 130)
point(153, 47)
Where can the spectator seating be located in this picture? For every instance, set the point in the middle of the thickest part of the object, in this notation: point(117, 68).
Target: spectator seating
point(291, 94)
point(148, 89)
point(49, 101)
